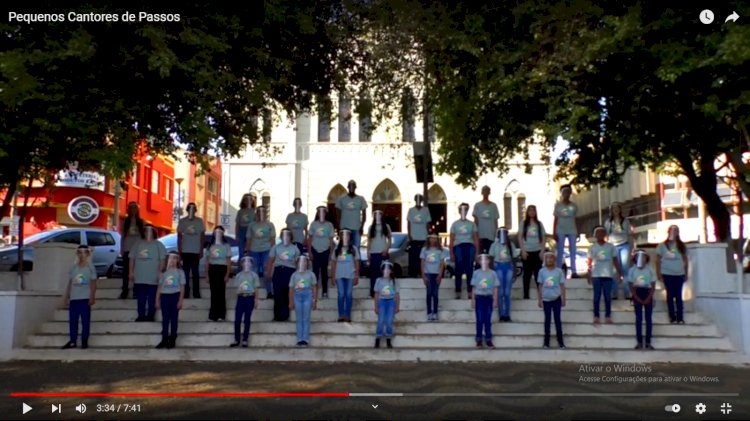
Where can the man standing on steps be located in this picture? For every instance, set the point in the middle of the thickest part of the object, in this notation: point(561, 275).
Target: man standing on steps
point(297, 223)
point(191, 238)
point(352, 213)
point(485, 217)
point(417, 220)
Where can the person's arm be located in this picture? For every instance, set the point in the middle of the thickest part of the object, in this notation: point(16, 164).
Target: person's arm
point(248, 237)
point(476, 240)
point(562, 294)
point(180, 239)
point(473, 300)
point(376, 300)
point(618, 266)
point(539, 294)
point(442, 270)
point(356, 267)
point(398, 302)
point(315, 297)
point(367, 250)
point(554, 222)
point(590, 263)
point(131, 263)
point(182, 296)
point(66, 296)
point(685, 265)
point(92, 293)
point(389, 242)
point(237, 225)
point(657, 265)
point(229, 265)
point(202, 243)
point(649, 300)
point(408, 229)
point(332, 275)
point(495, 297)
point(451, 242)
point(268, 273)
point(291, 298)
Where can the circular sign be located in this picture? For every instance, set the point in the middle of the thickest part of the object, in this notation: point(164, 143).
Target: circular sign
point(83, 210)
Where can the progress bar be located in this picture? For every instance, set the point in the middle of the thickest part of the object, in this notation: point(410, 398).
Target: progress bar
point(356, 394)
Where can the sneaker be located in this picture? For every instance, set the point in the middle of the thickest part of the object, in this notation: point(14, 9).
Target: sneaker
point(639, 346)
point(388, 343)
point(69, 345)
point(84, 344)
point(221, 319)
point(435, 317)
point(341, 319)
point(325, 295)
point(649, 347)
point(545, 346)
point(305, 344)
point(479, 344)
point(562, 346)
point(140, 319)
point(490, 345)
point(596, 320)
point(508, 319)
point(234, 344)
point(197, 296)
point(300, 343)
point(269, 296)
point(429, 317)
point(377, 342)
point(680, 322)
point(608, 320)
point(244, 344)
point(123, 296)
point(458, 295)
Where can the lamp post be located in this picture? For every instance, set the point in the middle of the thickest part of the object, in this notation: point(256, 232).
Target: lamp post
point(178, 207)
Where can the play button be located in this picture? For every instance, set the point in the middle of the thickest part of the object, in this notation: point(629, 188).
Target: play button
point(25, 408)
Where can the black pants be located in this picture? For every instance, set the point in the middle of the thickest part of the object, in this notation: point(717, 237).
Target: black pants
point(415, 264)
point(484, 246)
point(320, 267)
point(281, 276)
point(190, 263)
point(531, 266)
point(216, 274)
point(125, 273)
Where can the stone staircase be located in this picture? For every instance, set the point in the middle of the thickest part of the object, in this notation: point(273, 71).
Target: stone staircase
point(114, 335)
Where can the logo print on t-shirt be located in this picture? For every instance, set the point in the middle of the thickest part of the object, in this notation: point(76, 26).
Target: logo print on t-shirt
point(601, 255)
point(549, 282)
point(386, 291)
point(285, 256)
point(170, 281)
point(217, 252)
point(486, 213)
point(463, 229)
point(344, 256)
point(432, 257)
point(246, 217)
point(673, 254)
point(350, 205)
point(504, 253)
point(484, 284)
point(144, 254)
point(190, 229)
point(79, 279)
point(641, 280)
point(246, 286)
point(418, 218)
point(532, 231)
point(320, 232)
point(301, 284)
point(260, 232)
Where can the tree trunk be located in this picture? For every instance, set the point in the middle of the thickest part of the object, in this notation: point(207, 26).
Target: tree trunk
point(704, 184)
point(8, 201)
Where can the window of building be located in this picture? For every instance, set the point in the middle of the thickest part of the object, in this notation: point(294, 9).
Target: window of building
point(508, 210)
point(213, 185)
point(324, 119)
point(267, 204)
point(345, 118)
point(408, 111)
point(521, 208)
point(267, 118)
point(136, 171)
point(168, 188)
point(154, 182)
point(365, 120)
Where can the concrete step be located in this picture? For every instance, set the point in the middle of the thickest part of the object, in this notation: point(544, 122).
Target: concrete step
point(286, 353)
point(406, 304)
point(363, 312)
point(404, 328)
point(346, 340)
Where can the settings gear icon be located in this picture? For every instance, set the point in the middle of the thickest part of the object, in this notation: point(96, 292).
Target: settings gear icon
point(700, 408)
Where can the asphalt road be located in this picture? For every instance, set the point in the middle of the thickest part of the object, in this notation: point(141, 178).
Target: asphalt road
point(440, 391)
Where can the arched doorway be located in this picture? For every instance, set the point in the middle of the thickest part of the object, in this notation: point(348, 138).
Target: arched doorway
point(337, 191)
point(387, 198)
point(438, 205)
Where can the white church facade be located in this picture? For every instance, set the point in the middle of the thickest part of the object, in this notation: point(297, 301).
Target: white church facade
point(314, 161)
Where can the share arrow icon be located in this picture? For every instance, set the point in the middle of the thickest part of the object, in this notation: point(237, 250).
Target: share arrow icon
point(733, 17)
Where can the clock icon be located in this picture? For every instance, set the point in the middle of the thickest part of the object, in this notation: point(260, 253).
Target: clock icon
point(707, 16)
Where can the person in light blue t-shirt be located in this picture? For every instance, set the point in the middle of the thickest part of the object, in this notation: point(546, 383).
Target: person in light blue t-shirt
point(80, 295)
point(169, 296)
point(551, 296)
point(247, 283)
point(433, 265)
point(485, 283)
point(603, 262)
point(565, 227)
point(303, 298)
point(642, 282)
point(387, 303)
point(502, 252)
point(672, 269)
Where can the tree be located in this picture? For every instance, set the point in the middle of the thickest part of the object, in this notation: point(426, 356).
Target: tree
point(91, 92)
point(626, 85)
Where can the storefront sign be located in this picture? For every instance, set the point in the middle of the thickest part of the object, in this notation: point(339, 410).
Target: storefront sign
point(83, 179)
point(83, 209)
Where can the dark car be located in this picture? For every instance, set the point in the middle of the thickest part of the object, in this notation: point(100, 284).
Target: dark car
point(170, 243)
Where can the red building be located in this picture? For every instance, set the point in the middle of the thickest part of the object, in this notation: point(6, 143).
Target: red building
point(88, 199)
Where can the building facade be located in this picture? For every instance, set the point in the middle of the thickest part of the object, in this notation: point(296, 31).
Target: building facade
point(313, 158)
point(203, 189)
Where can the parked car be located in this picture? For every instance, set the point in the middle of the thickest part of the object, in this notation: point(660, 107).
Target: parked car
point(170, 243)
point(105, 244)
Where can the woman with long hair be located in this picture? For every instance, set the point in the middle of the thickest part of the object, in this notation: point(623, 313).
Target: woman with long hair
point(218, 268)
point(531, 242)
point(132, 230)
point(345, 273)
point(280, 267)
point(378, 244)
point(245, 216)
point(619, 233)
point(565, 227)
point(671, 268)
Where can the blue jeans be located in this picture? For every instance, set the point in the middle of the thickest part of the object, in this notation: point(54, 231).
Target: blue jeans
point(169, 313)
point(571, 248)
point(375, 260)
point(603, 286)
point(623, 253)
point(303, 308)
point(642, 293)
point(432, 293)
point(261, 257)
point(245, 306)
point(386, 312)
point(79, 309)
point(553, 308)
point(464, 264)
point(345, 288)
point(356, 238)
point(673, 285)
point(504, 273)
point(483, 312)
point(146, 295)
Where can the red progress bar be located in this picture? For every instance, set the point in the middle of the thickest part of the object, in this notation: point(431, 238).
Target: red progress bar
point(181, 395)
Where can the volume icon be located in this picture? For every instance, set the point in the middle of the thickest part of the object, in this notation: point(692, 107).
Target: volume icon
point(81, 408)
